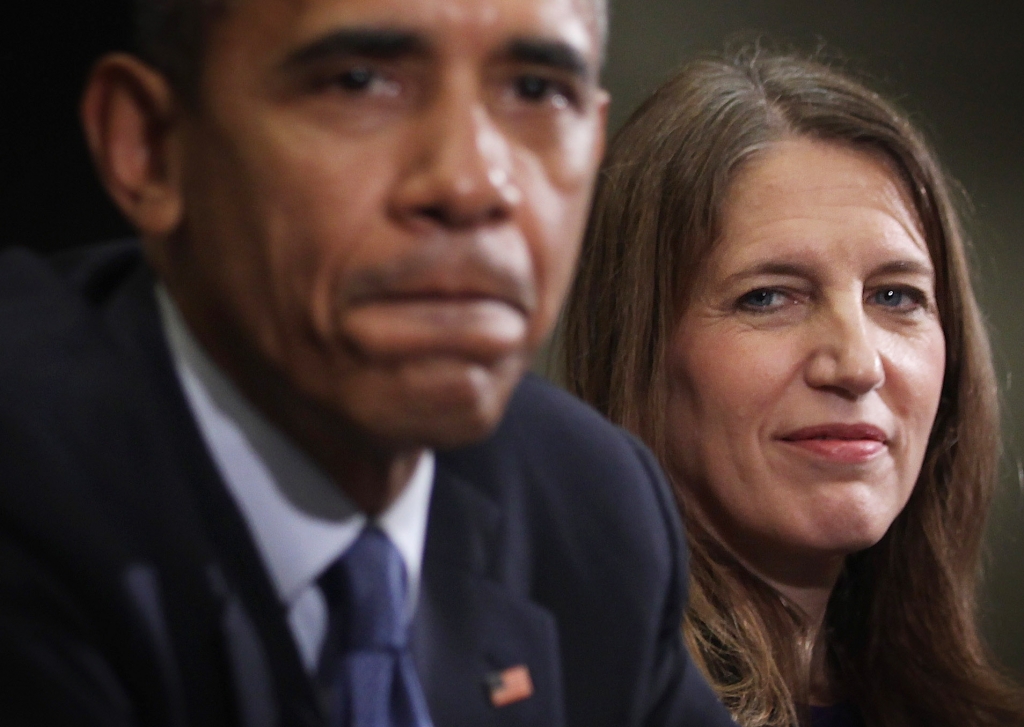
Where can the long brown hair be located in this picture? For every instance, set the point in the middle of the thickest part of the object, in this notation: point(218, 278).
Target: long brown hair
point(900, 627)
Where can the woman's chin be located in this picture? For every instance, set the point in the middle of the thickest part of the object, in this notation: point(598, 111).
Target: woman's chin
point(846, 535)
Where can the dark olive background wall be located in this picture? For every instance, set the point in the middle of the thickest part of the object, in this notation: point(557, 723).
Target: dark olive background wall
point(958, 67)
point(49, 196)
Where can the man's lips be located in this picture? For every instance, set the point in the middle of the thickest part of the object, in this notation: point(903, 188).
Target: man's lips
point(473, 300)
point(471, 326)
point(443, 295)
point(846, 443)
point(452, 272)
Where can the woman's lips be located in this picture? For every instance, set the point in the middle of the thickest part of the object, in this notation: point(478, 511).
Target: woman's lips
point(843, 443)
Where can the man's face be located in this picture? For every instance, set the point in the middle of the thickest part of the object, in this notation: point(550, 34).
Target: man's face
point(383, 201)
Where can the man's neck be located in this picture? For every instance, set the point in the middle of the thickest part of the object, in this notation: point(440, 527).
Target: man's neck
point(372, 475)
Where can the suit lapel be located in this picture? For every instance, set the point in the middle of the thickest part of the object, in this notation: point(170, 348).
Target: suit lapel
point(259, 652)
point(473, 632)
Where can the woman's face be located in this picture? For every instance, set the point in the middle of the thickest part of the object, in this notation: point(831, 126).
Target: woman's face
point(805, 374)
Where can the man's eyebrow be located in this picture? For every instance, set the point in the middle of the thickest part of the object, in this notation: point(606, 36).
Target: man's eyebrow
point(552, 53)
point(379, 43)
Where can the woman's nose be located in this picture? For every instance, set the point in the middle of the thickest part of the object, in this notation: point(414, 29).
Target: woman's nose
point(845, 357)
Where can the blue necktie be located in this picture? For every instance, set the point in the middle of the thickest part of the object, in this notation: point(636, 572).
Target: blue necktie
point(366, 670)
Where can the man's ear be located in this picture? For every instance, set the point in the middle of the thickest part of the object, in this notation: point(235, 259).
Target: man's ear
point(131, 117)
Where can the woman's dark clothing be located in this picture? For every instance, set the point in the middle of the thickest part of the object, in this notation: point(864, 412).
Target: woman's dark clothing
point(836, 715)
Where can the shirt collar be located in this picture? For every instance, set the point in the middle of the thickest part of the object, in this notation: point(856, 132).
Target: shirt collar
point(300, 519)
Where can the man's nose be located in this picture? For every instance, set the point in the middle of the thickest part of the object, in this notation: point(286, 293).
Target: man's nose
point(460, 170)
point(845, 356)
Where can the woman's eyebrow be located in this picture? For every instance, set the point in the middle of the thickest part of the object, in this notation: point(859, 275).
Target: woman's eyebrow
point(773, 267)
point(913, 267)
point(798, 270)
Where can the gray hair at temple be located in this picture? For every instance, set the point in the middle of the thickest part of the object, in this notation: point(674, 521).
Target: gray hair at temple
point(170, 36)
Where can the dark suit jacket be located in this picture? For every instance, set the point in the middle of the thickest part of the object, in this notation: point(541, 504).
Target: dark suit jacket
point(131, 592)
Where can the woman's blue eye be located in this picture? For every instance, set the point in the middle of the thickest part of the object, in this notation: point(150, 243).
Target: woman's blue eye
point(896, 298)
point(759, 299)
point(891, 298)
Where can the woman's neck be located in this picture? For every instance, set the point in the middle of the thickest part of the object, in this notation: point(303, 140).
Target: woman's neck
point(805, 580)
point(806, 583)
point(812, 600)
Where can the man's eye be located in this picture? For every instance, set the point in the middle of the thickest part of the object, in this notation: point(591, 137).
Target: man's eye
point(537, 88)
point(355, 79)
point(365, 80)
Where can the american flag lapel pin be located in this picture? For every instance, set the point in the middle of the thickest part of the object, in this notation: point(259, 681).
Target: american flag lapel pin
point(509, 686)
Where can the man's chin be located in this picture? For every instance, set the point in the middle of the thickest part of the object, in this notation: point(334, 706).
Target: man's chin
point(442, 403)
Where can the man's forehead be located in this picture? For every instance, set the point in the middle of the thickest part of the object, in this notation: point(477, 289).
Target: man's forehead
point(458, 22)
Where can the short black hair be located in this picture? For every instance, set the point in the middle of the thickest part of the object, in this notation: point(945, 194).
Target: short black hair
point(170, 35)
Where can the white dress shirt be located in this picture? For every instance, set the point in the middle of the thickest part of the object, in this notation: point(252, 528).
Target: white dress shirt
point(299, 518)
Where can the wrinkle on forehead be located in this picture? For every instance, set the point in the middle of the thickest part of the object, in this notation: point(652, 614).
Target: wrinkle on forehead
point(875, 183)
